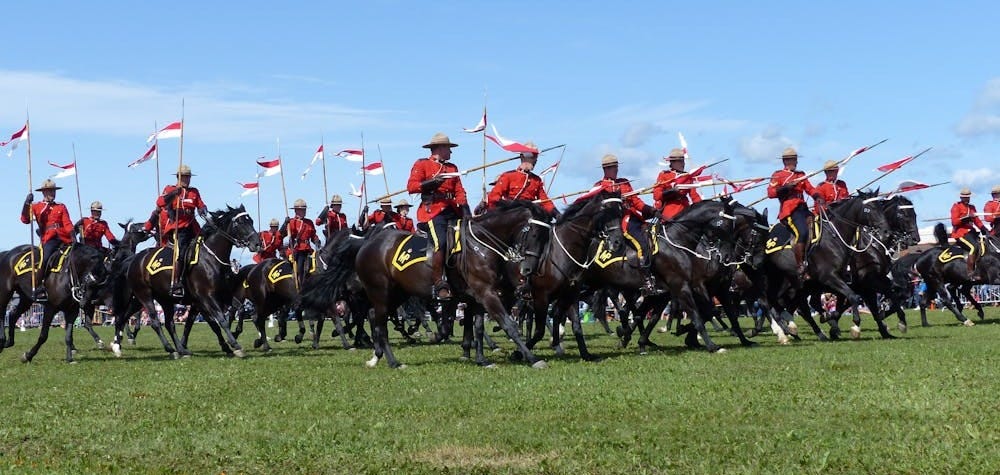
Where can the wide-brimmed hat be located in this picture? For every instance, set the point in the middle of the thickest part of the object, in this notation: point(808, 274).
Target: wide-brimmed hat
point(831, 165)
point(995, 190)
point(675, 154)
point(965, 192)
point(336, 200)
point(274, 222)
point(96, 206)
point(789, 153)
point(385, 202)
point(299, 203)
point(609, 160)
point(403, 203)
point(440, 139)
point(184, 170)
point(48, 185)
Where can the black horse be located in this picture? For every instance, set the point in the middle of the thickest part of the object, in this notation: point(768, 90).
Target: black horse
point(848, 227)
point(207, 286)
point(389, 279)
point(572, 247)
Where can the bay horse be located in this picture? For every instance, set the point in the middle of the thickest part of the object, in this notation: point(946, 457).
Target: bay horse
point(846, 228)
point(572, 247)
point(514, 230)
point(207, 286)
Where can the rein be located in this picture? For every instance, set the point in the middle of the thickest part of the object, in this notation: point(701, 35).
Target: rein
point(511, 253)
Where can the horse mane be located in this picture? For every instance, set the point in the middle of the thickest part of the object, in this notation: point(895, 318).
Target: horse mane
point(941, 235)
point(574, 209)
point(221, 219)
point(513, 205)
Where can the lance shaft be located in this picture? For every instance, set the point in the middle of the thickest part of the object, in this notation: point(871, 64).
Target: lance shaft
point(887, 173)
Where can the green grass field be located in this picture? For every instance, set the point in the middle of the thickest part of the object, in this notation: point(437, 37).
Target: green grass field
point(925, 403)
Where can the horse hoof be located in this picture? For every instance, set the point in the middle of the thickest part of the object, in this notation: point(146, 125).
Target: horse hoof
point(131, 341)
point(662, 329)
point(855, 332)
point(72, 352)
point(489, 366)
point(100, 344)
point(175, 355)
point(25, 358)
point(969, 323)
point(298, 339)
point(239, 353)
point(793, 328)
point(719, 351)
point(540, 364)
point(372, 362)
point(496, 350)
point(560, 351)
point(463, 358)
point(71, 362)
point(401, 366)
point(116, 349)
point(901, 327)
point(784, 341)
point(258, 343)
point(352, 349)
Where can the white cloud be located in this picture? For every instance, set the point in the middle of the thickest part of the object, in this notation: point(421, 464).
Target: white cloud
point(765, 146)
point(638, 134)
point(687, 117)
point(119, 108)
point(973, 178)
point(984, 118)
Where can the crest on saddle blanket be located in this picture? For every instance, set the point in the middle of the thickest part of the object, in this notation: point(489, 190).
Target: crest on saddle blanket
point(780, 236)
point(163, 257)
point(416, 248)
point(23, 263)
point(605, 257)
point(952, 254)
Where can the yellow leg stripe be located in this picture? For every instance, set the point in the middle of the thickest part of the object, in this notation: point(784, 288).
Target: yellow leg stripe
point(434, 237)
point(791, 225)
point(635, 243)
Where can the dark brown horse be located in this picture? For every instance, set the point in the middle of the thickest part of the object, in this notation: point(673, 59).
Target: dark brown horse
point(207, 284)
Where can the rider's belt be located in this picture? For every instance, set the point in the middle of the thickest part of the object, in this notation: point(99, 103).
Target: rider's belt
point(428, 197)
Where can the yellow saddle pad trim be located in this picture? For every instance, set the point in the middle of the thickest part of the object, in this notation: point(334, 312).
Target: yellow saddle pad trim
point(23, 264)
point(403, 257)
point(276, 274)
point(605, 257)
point(157, 265)
point(62, 258)
point(458, 244)
point(947, 256)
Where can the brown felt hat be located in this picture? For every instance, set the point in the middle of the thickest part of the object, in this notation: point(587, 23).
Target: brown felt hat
point(675, 154)
point(831, 165)
point(440, 139)
point(48, 185)
point(299, 203)
point(274, 222)
point(609, 160)
point(789, 153)
point(965, 192)
point(336, 200)
point(402, 203)
point(995, 190)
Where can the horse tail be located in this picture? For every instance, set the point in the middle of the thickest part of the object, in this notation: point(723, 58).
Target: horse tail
point(321, 292)
point(941, 235)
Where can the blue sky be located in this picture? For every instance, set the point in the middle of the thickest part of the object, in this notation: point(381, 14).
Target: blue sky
point(740, 80)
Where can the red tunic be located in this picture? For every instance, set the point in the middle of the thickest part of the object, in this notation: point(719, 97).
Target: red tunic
point(53, 220)
point(634, 206)
point(376, 217)
point(334, 222)
point(832, 192)
point(93, 230)
point(301, 232)
point(185, 203)
point(519, 185)
point(674, 202)
point(161, 219)
point(404, 223)
point(784, 177)
point(270, 245)
point(450, 195)
point(992, 211)
point(961, 228)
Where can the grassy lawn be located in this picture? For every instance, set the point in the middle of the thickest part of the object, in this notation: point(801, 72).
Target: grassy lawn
point(925, 403)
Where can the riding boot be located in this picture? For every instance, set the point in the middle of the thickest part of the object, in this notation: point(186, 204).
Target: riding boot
point(799, 250)
point(39, 294)
point(441, 290)
point(177, 286)
point(971, 263)
point(649, 282)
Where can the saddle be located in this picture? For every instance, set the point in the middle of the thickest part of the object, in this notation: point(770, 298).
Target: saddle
point(22, 265)
point(780, 236)
point(416, 248)
point(162, 258)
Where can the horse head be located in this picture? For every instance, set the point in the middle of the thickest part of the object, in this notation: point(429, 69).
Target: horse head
point(521, 225)
point(236, 225)
point(751, 233)
point(604, 212)
point(902, 219)
point(865, 209)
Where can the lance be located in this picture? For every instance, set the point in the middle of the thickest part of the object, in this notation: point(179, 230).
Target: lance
point(322, 158)
point(682, 176)
point(31, 215)
point(892, 169)
point(76, 177)
point(556, 171)
point(466, 172)
point(364, 180)
point(281, 169)
point(566, 195)
point(385, 177)
point(840, 163)
point(924, 187)
point(949, 217)
point(737, 188)
point(178, 200)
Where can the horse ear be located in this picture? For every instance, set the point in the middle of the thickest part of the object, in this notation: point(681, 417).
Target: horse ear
point(124, 226)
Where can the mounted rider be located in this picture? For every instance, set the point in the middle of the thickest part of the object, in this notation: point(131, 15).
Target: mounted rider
point(181, 202)
point(382, 215)
point(271, 243)
point(831, 189)
point(789, 185)
point(967, 229)
point(671, 198)
point(522, 183)
point(54, 228)
point(992, 211)
point(442, 201)
point(302, 236)
point(404, 222)
point(636, 212)
point(331, 218)
point(93, 228)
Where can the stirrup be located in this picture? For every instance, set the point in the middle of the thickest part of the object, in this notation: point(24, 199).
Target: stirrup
point(177, 291)
point(77, 293)
point(39, 295)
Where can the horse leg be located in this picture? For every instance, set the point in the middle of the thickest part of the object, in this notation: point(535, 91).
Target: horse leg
point(168, 324)
point(214, 315)
point(70, 323)
point(691, 301)
point(478, 324)
point(259, 323)
point(572, 311)
point(966, 290)
point(732, 313)
point(338, 324)
point(380, 336)
point(23, 304)
point(299, 318)
point(946, 300)
point(49, 311)
point(318, 330)
point(468, 337)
